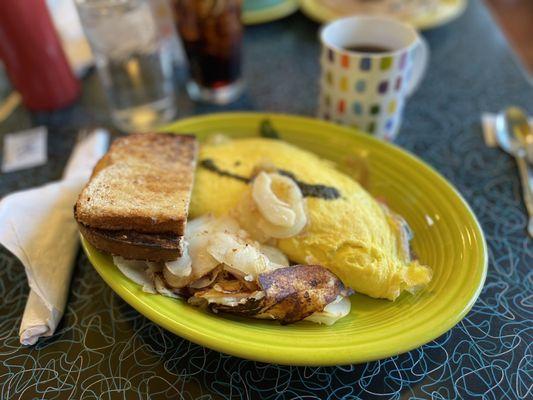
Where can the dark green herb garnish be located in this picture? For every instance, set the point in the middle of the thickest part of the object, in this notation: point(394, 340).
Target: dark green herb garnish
point(266, 130)
point(210, 165)
point(308, 190)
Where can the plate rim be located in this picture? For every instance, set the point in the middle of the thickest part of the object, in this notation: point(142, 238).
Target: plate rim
point(322, 15)
point(269, 14)
point(298, 356)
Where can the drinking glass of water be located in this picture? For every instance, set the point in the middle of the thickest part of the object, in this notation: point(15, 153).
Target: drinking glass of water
point(134, 66)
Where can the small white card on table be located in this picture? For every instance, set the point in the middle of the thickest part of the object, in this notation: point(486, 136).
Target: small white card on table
point(25, 149)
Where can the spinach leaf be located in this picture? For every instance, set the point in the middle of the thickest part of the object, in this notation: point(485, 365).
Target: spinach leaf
point(266, 130)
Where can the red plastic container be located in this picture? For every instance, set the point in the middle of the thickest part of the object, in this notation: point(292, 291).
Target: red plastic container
point(31, 51)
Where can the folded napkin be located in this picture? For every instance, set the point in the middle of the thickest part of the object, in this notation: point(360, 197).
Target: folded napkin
point(38, 227)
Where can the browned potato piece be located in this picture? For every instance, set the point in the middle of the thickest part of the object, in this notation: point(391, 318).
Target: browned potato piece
point(245, 303)
point(229, 294)
point(296, 292)
point(287, 294)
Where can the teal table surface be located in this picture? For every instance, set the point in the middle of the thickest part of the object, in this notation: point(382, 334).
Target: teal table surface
point(103, 349)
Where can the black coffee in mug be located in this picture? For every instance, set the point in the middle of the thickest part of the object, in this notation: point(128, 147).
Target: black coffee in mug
point(367, 48)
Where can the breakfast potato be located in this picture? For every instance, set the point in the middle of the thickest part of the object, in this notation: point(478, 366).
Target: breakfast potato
point(288, 294)
point(296, 292)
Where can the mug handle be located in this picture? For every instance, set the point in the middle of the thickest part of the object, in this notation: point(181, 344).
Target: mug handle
point(420, 62)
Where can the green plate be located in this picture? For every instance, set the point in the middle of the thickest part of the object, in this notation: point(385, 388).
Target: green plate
point(261, 11)
point(447, 237)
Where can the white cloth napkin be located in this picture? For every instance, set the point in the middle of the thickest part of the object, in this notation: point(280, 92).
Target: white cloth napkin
point(38, 227)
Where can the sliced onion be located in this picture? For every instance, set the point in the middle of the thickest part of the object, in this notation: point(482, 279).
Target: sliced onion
point(285, 233)
point(136, 271)
point(238, 256)
point(332, 312)
point(162, 289)
point(281, 215)
point(205, 280)
point(275, 255)
point(182, 266)
point(198, 236)
point(271, 207)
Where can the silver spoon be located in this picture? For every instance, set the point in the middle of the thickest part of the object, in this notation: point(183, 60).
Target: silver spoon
point(519, 125)
point(511, 139)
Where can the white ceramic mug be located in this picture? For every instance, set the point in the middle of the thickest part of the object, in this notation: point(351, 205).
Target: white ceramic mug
point(367, 90)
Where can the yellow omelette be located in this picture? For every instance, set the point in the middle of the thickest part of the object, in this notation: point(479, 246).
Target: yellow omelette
point(348, 231)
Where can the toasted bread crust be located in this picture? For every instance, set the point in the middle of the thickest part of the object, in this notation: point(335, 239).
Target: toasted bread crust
point(135, 245)
point(142, 184)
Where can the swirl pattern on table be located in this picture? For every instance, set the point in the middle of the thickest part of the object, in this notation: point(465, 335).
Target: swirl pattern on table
point(103, 349)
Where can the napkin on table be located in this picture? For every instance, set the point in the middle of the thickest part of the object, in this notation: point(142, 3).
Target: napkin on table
point(38, 227)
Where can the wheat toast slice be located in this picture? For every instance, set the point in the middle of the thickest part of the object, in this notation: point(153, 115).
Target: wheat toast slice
point(142, 184)
point(134, 245)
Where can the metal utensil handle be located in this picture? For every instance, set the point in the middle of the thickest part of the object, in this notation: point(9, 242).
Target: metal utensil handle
point(526, 176)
